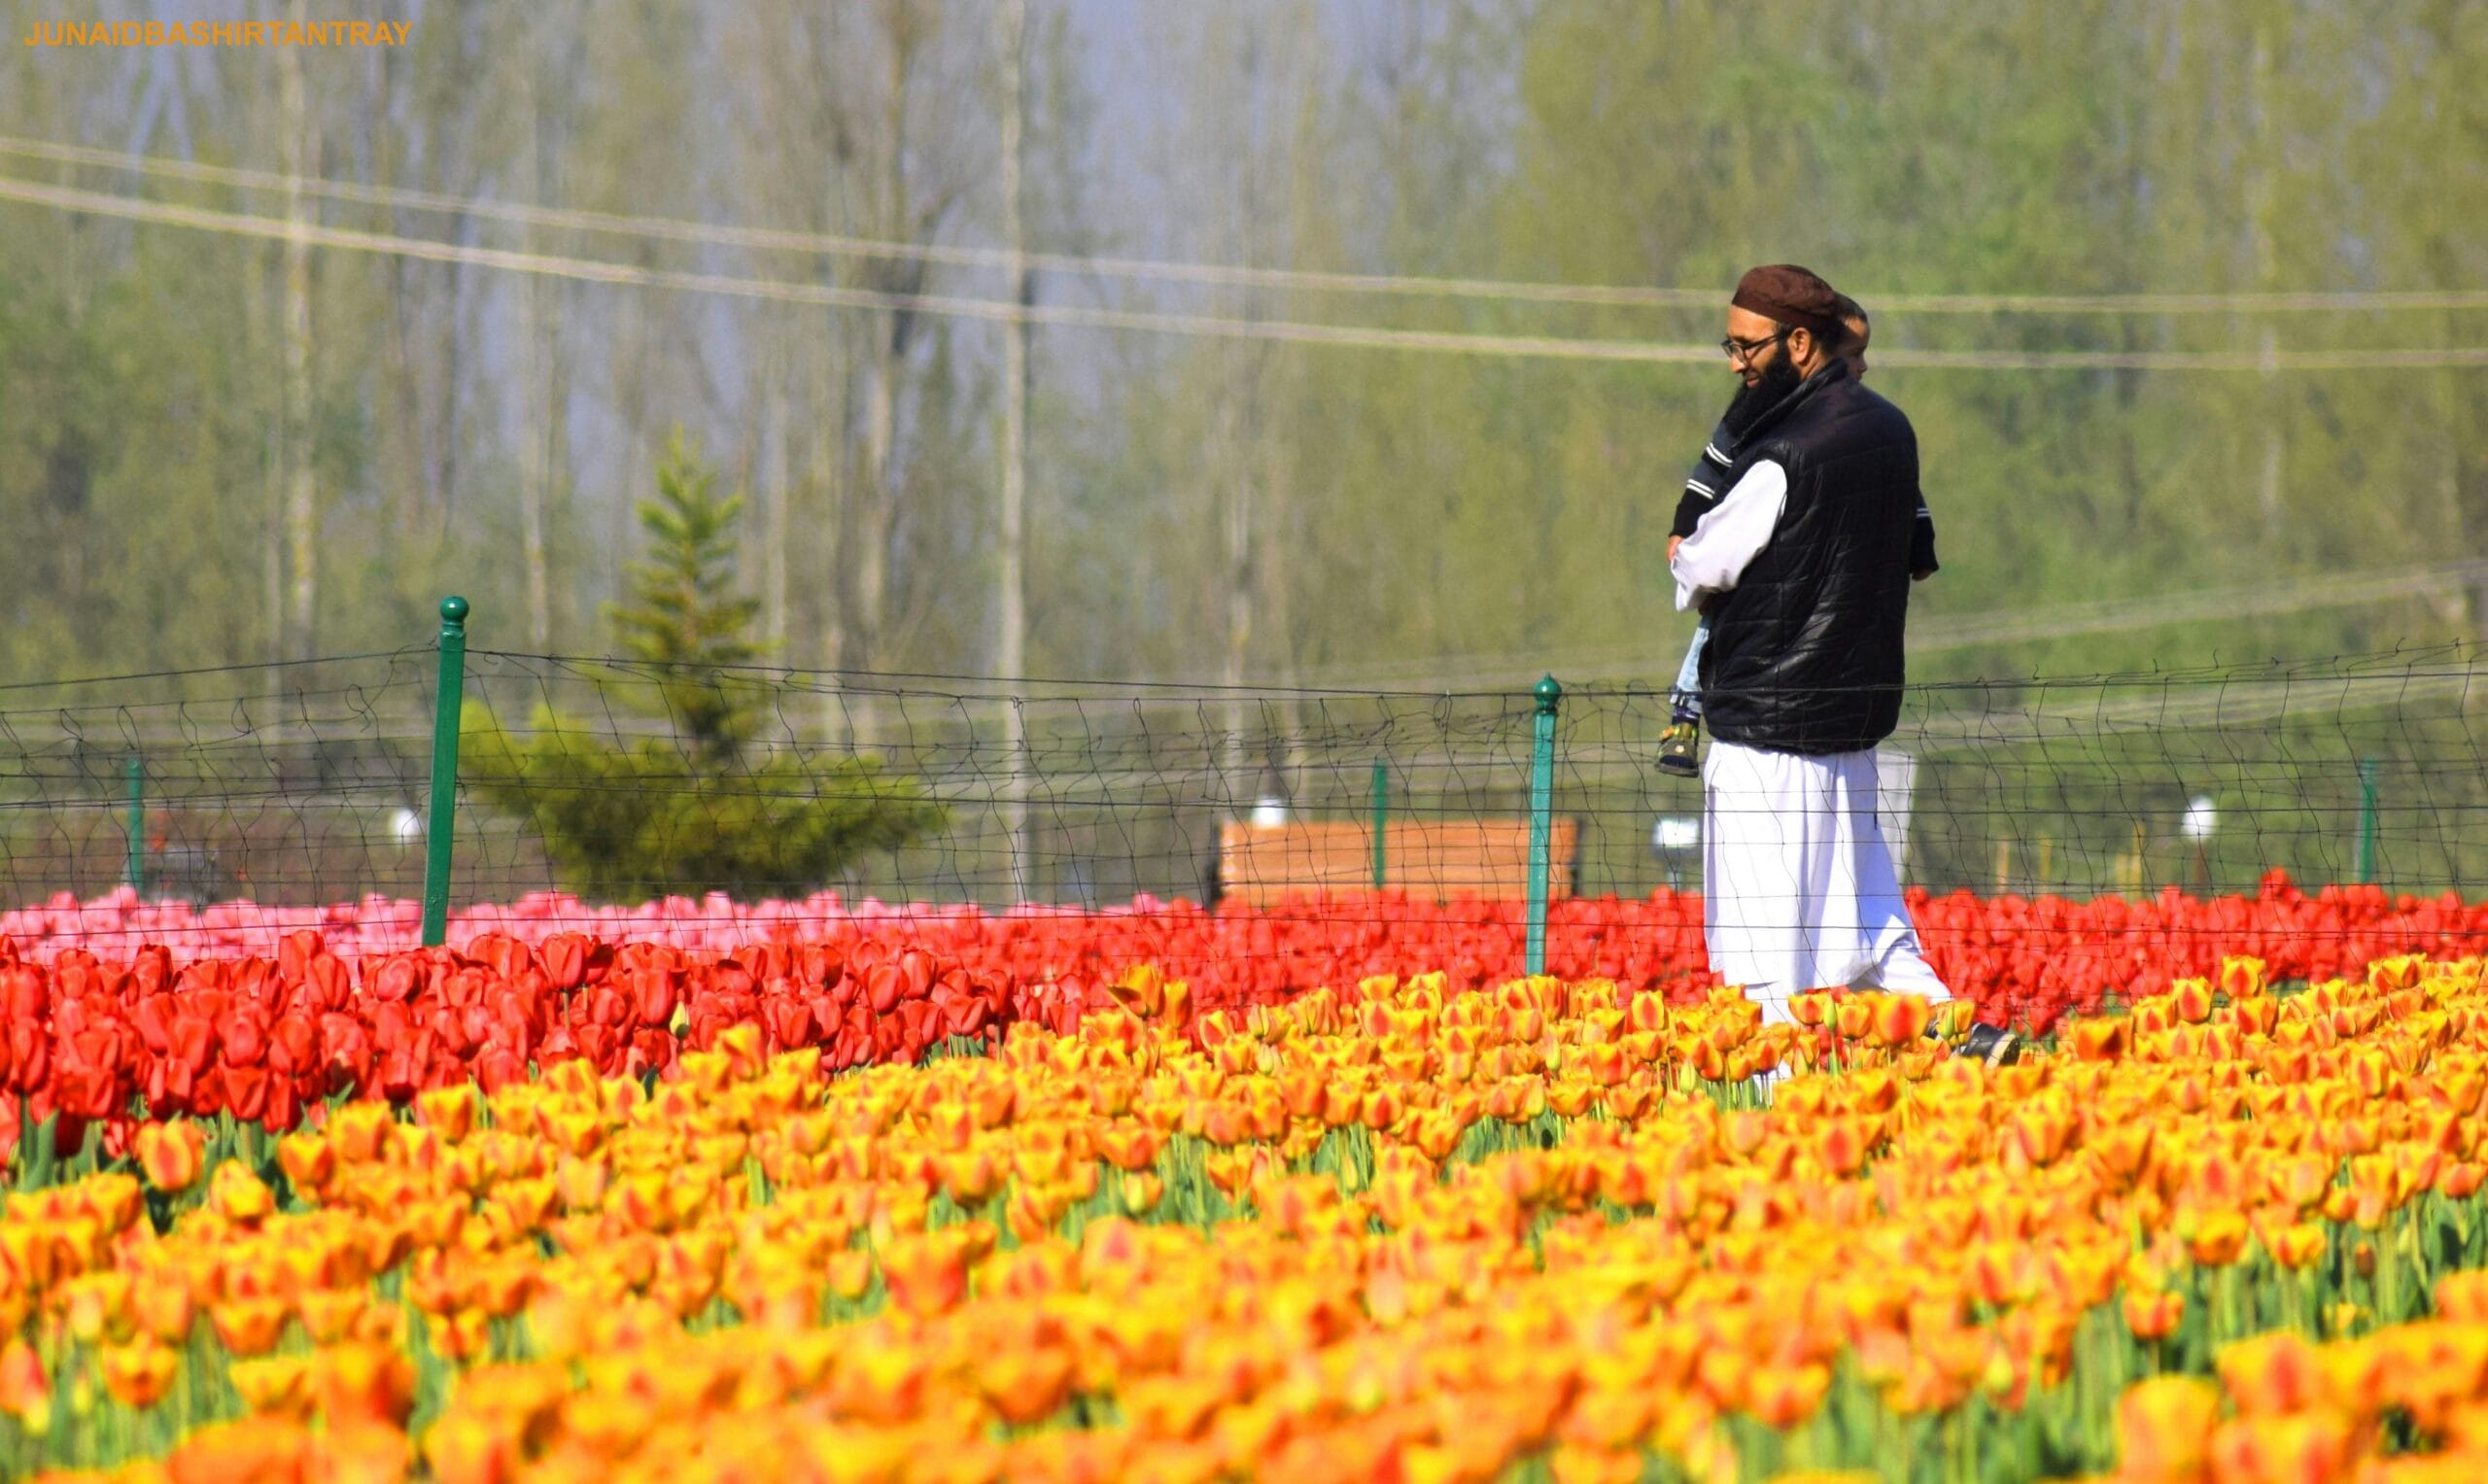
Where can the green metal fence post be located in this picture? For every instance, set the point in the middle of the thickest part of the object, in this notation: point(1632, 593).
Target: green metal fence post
point(2367, 819)
point(1381, 818)
point(1541, 817)
point(440, 818)
point(135, 872)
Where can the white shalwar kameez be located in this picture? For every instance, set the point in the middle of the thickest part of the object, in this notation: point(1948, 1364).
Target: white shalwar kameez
point(1798, 890)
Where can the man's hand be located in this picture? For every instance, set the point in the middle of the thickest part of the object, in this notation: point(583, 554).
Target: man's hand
point(1922, 574)
point(1674, 542)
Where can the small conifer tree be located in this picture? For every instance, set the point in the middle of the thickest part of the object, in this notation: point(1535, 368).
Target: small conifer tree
point(708, 808)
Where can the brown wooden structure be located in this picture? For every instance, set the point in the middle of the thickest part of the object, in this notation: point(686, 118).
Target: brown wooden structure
point(1486, 858)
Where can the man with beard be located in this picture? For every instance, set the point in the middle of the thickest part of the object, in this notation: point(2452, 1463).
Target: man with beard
point(1680, 743)
point(1803, 569)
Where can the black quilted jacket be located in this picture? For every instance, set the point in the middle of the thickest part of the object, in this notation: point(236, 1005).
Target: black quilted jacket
point(1805, 653)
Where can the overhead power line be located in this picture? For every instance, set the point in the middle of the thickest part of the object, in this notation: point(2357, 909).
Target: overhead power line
point(1944, 632)
point(2254, 600)
point(1363, 337)
point(593, 270)
point(827, 244)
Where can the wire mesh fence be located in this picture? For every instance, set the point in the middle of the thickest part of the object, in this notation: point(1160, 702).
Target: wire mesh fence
point(286, 784)
point(618, 781)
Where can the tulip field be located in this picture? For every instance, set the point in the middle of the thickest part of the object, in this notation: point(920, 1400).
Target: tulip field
point(1327, 1192)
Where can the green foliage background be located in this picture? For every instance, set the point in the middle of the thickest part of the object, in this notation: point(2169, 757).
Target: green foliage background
point(1419, 511)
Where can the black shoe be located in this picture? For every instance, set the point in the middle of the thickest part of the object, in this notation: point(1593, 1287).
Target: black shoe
point(1992, 1044)
point(1676, 750)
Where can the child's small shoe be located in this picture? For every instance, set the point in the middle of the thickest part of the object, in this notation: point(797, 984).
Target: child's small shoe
point(1679, 748)
point(1992, 1044)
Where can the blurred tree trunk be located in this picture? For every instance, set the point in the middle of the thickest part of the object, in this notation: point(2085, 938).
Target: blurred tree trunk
point(775, 494)
point(549, 79)
point(298, 155)
point(1012, 658)
point(2264, 276)
point(904, 30)
point(254, 289)
point(803, 144)
point(916, 166)
point(536, 471)
point(404, 468)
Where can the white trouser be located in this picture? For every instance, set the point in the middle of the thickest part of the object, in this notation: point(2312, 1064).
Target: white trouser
point(1798, 889)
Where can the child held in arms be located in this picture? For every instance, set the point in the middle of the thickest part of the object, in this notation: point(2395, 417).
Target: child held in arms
point(1678, 743)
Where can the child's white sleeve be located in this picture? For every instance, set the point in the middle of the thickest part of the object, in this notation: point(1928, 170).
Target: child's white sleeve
point(1730, 535)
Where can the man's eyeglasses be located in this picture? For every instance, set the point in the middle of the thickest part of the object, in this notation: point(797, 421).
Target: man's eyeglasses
point(1743, 350)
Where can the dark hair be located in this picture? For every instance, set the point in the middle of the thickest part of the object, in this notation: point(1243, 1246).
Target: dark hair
point(1851, 339)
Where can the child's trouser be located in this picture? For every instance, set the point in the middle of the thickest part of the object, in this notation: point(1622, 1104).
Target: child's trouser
point(1686, 698)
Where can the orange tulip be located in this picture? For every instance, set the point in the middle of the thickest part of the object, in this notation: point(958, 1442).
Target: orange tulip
point(2397, 973)
point(2300, 1182)
point(171, 1154)
point(459, 1336)
point(1140, 989)
point(1851, 1018)
point(2152, 1315)
point(25, 1386)
point(112, 1199)
point(360, 1453)
point(364, 1381)
point(1610, 1417)
point(462, 1448)
point(1141, 1192)
point(1169, 1407)
point(161, 1305)
point(1572, 1464)
point(139, 1374)
point(2219, 1238)
point(2099, 1040)
point(2300, 1448)
point(1812, 1008)
point(2164, 1429)
point(328, 1317)
point(2298, 1246)
point(1896, 1019)
point(1842, 1145)
point(2464, 1297)
point(258, 1450)
point(449, 1112)
point(2256, 1017)
point(971, 1178)
point(2272, 1373)
point(880, 1383)
point(236, 1194)
point(1024, 1384)
point(249, 1327)
point(2241, 978)
point(99, 1306)
point(611, 1423)
point(1783, 1397)
point(274, 1384)
point(926, 1274)
point(1127, 1147)
point(2123, 1153)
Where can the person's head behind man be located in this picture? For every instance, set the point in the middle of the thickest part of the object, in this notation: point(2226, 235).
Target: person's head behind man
point(1783, 326)
point(1859, 327)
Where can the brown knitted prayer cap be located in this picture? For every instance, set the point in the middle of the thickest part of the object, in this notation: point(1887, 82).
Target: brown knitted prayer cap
point(1790, 294)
